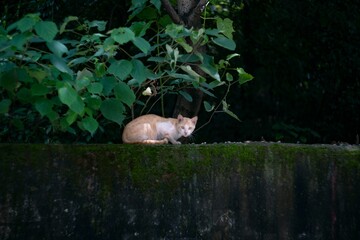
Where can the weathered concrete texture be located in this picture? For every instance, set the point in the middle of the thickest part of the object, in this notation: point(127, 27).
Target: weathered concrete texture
point(221, 191)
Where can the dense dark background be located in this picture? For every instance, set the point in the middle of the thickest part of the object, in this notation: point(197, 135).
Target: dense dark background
point(304, 55)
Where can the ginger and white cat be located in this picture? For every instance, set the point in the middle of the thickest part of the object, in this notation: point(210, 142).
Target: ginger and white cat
point(153, 129)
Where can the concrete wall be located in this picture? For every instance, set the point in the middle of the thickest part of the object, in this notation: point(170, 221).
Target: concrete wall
point(221, 191)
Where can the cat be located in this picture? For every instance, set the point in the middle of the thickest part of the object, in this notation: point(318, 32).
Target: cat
point(153, 129)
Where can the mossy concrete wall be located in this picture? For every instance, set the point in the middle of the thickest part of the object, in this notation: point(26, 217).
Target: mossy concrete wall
point(220, 191)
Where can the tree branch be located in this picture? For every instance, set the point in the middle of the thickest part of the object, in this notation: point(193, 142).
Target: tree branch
point(171, 11)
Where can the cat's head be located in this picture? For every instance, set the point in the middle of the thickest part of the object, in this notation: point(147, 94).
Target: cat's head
point(186, 126)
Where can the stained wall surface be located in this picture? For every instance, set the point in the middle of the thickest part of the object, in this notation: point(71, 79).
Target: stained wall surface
point(218, 191)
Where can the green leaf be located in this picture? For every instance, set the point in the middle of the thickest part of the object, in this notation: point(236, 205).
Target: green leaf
point(5, 105)
point(77, 61)
point(100, 69)
point(225, 43)
point(93, 102)
point(90, 124)
point(208, 106)
point(95, 88)
point(229, 77)
point(225, 26)
point(244, 76)
point(9, 80)
point(121, 69)
point(148, 13)
point(26, 24)
point(139, 28)
point(135, 4)
point(123, 35)
point(83, 79)
point(69, 96)
point(71, 117)
point(208, 67)
point(139, 71)
point(66, 21)
point(60, 64)
point(46, 30)
point(24, 95)
point(232, 56)
point(52, 115)
point(39, 89)
point(100, 25)
point(20, 40)
point(124, 93)
point(57, 47)
point(113, 110)
point(190, 71)
point(38, 74)
point(33, 55)
point(43, 106)
point(184, 44)
point(230, 113)
point(186, 95)
point(156, 3)
point(142, 44)
point(108, 85)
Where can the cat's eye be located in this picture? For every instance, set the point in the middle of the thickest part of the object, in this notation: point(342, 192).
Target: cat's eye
point(182, 127)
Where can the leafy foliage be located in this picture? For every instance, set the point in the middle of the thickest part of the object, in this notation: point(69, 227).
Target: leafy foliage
point(77, 79)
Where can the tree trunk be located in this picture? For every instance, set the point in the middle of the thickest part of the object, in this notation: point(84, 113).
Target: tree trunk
point(188, 14)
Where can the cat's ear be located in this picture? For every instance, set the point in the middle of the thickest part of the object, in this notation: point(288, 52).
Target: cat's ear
point(194, 119)
point(180, 118)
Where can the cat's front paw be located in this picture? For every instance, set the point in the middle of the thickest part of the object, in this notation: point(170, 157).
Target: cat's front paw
point(176, 142)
